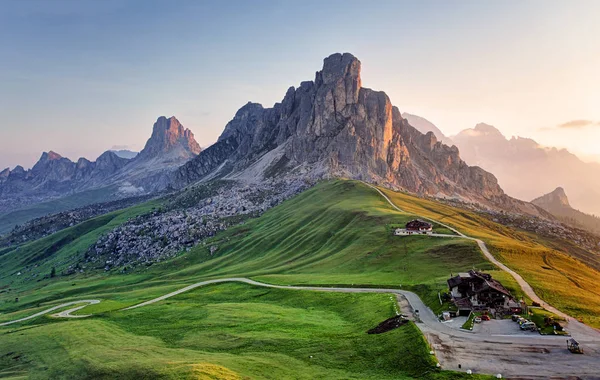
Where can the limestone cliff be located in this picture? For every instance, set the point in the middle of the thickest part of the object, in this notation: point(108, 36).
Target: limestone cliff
point(335, 127)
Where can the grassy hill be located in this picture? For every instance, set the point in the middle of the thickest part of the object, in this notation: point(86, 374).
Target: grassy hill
point(335, 233)
point(23, 267)
point(338, 232)
point(229, 331)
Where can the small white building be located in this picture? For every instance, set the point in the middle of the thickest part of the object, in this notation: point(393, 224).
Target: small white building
point(405, 232)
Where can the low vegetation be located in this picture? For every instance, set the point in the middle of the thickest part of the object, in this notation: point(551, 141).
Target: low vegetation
point(468, 325)
point(547, 322)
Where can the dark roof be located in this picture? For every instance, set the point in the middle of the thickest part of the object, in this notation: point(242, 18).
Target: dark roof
point(498, 287)
point(489, 282)
point(454, 281)
point(416, 224)
point(463, 303)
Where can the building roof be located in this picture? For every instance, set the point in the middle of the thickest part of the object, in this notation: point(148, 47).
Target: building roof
point(418, 224)
point(463, 303)
point(489, 283)
point(454, 281)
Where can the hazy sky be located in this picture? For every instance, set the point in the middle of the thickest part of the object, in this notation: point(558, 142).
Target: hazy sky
point(79, 77)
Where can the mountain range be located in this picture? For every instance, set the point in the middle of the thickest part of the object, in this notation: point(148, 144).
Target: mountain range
point(54, 176)
point(524, 168)
point(334, 127)
point(329, 127)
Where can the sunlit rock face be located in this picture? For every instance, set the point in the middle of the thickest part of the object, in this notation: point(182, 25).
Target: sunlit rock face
point(169, 137)
point(334, 127)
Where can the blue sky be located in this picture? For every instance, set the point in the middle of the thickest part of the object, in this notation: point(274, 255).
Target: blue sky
point(79, 77)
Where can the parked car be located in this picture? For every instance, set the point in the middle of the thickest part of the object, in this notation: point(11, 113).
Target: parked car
point(529, 326)
point(485, 317)
point(515, 317)
point(477, 320)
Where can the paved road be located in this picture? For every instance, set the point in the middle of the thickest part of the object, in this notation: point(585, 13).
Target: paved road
point(526, 356)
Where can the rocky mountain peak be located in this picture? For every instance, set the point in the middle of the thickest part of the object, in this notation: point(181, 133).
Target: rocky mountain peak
point(335, 127)
point(50, 156)
point(423, 125)
point(18, 169)
point(83, 162)
point(556, 199)
point(341, 66)
point(170, 137)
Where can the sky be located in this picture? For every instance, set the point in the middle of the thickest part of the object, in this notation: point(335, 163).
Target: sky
point(80, 77)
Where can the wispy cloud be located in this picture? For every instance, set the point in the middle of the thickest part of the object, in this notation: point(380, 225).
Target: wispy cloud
point(574, 124)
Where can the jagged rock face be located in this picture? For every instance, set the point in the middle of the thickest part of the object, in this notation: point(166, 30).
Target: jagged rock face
point(124, 153)
point(170, 137)
point(558, 205)
point(109, 163)
point(339, 128)
point(526, 169)
point(4, 175)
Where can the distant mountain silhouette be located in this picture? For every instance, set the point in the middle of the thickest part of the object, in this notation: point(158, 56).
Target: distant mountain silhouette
point(558, 205)
point(526, 169)
point(54, 176)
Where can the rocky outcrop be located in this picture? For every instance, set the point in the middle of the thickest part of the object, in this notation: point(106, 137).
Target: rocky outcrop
point(423, 125)
point(333, 126)
point(554, 200)
point(4, 175)
point(124, 153)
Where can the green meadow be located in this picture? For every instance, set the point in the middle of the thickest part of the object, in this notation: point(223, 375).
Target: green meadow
point(336, 233)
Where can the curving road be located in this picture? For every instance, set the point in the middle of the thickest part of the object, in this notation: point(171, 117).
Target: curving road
point(515, 354)
point(62, 314)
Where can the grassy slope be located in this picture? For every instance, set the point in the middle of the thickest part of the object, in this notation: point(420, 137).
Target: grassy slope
point(58, 250)
point(225, 331)
point(335, 233)
point(338, 232)
point(561, 280)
